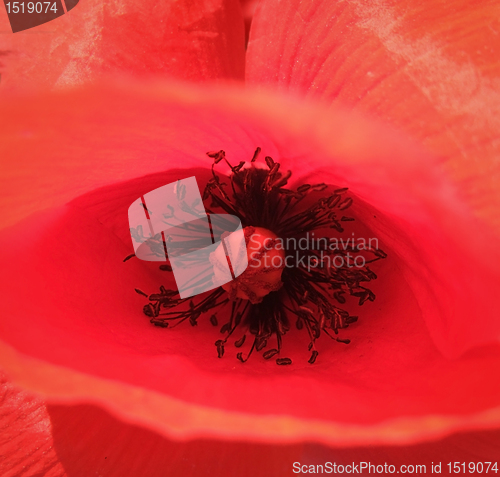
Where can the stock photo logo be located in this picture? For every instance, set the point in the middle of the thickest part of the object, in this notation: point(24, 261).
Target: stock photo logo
point(205, 250)
point(24, 15)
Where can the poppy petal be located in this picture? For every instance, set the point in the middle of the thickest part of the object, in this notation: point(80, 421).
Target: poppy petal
point(72, 326)
point(478, 450)
point(430, 70)
point(89, 440)
point(26, 443)
point(57, 440)
point(194, 40)
point(248, 7)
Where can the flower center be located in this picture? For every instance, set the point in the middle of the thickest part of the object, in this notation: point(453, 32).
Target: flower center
point(266, 261)
point(293, 276)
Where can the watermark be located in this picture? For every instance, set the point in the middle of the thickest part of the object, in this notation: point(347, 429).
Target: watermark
point(205, 250)
point(310, 252)
point(447, 468)
point(310, 242)
point(24, 15)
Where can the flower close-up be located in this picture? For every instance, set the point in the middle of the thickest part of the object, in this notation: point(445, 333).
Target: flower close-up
point(250, 238)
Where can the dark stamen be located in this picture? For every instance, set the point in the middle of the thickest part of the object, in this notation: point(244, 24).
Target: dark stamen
point(240, 342)
point(313, 357)
point(283, 361)
point(256, 154)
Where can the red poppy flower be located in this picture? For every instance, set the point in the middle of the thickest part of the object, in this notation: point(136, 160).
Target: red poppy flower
point(422, 359)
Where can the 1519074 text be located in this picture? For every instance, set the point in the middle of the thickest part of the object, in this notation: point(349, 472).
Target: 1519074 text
point(472, 467)
point(31, 7)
